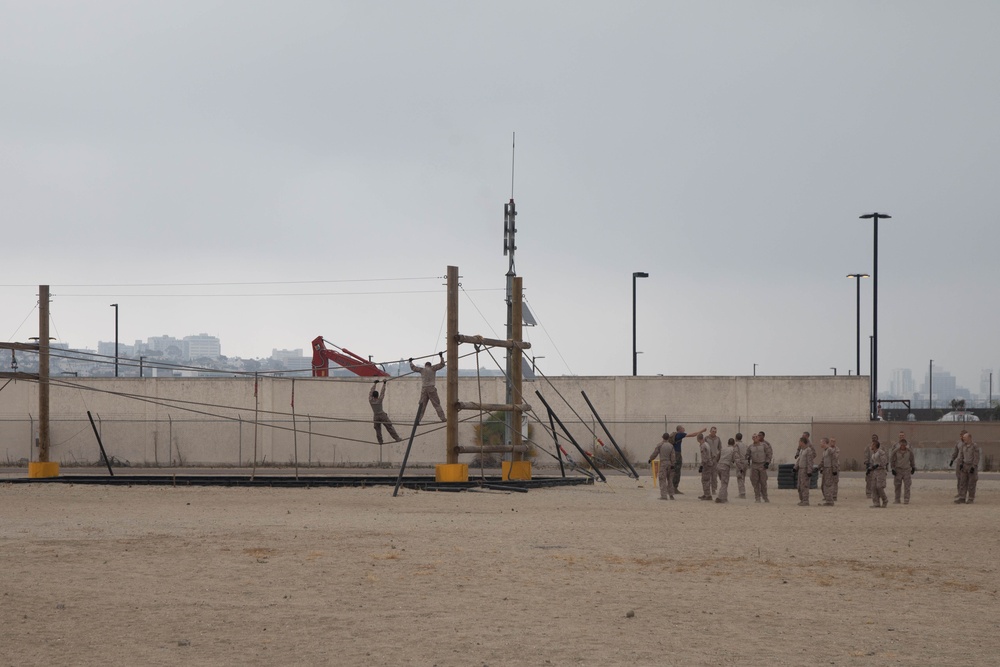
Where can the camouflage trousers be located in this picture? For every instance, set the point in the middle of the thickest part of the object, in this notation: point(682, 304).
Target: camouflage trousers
point(665, 477)
point(758, 480)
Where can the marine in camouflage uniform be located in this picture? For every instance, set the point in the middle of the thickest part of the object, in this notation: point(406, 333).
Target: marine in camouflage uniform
point(665, 452)
point(829, 467)
point(428, 392)
point(954, 455)
point(968, 465)
point(741, 465)
point(707, 468)
point(903, 465)
point(759, 457)
point(879, 465)
point(803, 467)
point(836, 470)
point(727, 459)
point(715, 444)
point(379, 416)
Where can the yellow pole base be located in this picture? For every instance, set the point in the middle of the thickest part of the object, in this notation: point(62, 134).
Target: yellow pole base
point(451, 472)
point(656, 472)
point(515, 470)
point(43, 469)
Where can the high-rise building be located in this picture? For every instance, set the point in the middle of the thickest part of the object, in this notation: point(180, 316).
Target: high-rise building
point(293, 360)
point(202, 345)
point(168, 345)
point(901, 383)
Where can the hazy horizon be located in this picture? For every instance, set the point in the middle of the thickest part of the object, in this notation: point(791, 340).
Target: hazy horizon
point(267, 173)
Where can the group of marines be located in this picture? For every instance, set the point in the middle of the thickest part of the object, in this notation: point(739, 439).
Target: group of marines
point(719, 461)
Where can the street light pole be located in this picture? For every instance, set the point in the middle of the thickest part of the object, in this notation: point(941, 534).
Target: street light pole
point(635, 355)
point(930, 386)
point(834, 369)
point(755, 370)
point(871, 373)
point(857, 278)
point(115, 306)
point(533, 359)
point(875, 217)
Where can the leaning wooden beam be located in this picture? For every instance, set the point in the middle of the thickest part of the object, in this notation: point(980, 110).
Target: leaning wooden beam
point(493, 407)
point(498, 449)
point(495, 342)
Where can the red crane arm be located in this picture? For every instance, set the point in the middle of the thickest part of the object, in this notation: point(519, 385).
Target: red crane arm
point(343, 358)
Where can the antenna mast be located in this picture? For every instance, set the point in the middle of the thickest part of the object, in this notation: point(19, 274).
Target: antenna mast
point(509, 246)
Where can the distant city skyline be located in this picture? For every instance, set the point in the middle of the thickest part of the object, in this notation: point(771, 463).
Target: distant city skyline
point(901, 382)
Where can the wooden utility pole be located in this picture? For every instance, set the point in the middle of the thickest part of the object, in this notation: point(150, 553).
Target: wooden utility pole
point(43, 373)
point(516, 347)
point(451, 392)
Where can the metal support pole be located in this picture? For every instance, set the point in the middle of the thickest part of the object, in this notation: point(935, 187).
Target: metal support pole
point(875, 218)
point(610, 437)
point(406, 455)
point(516, 368)
point(100, 444)
point(635, 353)
point(930, 386)
point(569, 436)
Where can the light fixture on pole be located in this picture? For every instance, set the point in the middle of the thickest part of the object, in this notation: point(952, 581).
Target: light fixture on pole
point(755, 370)
point(834, 369)
point(857, 278)
point(875, 217)
point(115, 306)
point(635, 355)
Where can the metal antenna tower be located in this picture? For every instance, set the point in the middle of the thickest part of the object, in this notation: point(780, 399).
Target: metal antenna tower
point(509, 246)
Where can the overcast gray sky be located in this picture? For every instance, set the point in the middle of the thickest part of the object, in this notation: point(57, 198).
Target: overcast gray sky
point(342, 155)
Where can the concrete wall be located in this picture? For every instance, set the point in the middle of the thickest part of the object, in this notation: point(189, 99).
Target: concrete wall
point(219, 421)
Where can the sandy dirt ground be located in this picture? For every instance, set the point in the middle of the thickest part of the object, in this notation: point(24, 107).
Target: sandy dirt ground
point(590, 575)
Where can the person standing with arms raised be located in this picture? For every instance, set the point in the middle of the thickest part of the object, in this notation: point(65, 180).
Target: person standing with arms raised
point(679, 436)
point(428, 392)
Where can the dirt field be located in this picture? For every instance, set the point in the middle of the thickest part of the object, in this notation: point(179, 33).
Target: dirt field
point(602, 575)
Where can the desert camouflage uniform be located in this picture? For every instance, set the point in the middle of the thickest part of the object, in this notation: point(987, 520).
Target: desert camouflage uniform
point(759, 457)
point(828, 467)
point(715, 444)
point(428, 392)
point(727, 459)
point(707, 469)
point(968, 465)
point(902, 464)
point(879, 463)
point(804, 469)
point(665, 477)
point(379, 416)
point(741, 467)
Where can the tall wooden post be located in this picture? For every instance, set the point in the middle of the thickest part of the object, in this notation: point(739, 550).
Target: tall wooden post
point(516, 368)
point(451, 394)
point(43, 373)
point(43, 467)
